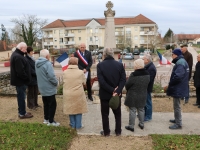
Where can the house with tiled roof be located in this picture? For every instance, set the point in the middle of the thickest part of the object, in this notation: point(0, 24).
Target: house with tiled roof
point(186, 38)
point(129, 32)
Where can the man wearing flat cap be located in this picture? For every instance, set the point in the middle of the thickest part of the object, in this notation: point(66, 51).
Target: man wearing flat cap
point(189, 59)
point(178, 86)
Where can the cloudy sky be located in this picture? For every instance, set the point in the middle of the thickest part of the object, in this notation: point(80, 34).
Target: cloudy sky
point(182, 16)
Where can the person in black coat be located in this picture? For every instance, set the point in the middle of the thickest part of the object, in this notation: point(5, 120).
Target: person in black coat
point(136, 95)
point(20, 77)
point(84, 63)
point(32, 92)
point(150, 67)
point(112, 78)
point(196, 78)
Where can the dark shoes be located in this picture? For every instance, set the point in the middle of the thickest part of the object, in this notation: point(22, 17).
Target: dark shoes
point(141, 127)
point(90, 98)
point(102, 133)
point(195, 104)
point(27, 115)
point(174, 127)
point(129, 128)
point(172, 121)
point(118, 134)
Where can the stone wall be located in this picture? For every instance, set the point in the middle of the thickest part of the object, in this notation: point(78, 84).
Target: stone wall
point(5, 87)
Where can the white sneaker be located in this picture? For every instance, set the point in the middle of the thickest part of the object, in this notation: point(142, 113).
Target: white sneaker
point(46, 121)
point(53, 124)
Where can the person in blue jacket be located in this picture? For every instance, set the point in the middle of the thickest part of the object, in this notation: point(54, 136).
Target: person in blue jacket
point(177, 87)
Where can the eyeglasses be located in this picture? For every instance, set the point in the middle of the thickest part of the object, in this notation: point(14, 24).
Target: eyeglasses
point(82, 47)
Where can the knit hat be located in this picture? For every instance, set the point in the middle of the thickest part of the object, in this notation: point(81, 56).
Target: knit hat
point(138, 64)
point(177, 52)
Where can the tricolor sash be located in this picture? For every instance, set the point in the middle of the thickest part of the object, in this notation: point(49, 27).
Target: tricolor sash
point(82, 58)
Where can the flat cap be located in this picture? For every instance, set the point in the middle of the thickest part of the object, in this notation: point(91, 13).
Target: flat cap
point(114, 102)
point(184, 45)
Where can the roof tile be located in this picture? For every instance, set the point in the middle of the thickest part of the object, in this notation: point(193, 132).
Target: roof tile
point(140, 19)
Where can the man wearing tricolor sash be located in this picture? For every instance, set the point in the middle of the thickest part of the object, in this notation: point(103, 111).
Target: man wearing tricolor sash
point(84, 63)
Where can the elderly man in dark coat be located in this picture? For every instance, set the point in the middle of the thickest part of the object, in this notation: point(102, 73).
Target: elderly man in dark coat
point(136, 96)
point(112, 78)
point(20, 77)
point(178, 86)
point(189, 59)
point(150, 67)
point(197, 81)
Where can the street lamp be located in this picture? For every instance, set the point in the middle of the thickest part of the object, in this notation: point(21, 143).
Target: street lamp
point(147, 39)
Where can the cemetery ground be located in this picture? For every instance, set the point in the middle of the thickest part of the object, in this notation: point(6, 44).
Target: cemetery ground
point(18, 133)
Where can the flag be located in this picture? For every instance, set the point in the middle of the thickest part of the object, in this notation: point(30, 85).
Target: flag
point(163, 60)
point(63, 60)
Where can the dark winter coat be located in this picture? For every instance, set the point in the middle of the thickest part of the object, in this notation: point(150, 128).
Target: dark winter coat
point(136, 87)
point(178, 84)
point(19, 69)
point(150, 67)
point(110, 74)
point(197, 75)
point(32, 68)
point(189, 59)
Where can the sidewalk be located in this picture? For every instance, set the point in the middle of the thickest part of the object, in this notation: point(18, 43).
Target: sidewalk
point(159, 125)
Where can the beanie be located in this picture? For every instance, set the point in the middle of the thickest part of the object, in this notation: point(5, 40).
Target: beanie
point(177, 52)
point(138, 64)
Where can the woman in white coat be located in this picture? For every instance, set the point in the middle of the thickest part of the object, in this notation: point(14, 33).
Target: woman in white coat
point(74, 99)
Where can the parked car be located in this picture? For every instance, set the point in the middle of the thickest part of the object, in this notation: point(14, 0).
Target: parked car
point(95, 52)
point(141, 55)
point(136, 52)
point(124, 52)
point(147, 51)
point(99, 56)
point(128, 56)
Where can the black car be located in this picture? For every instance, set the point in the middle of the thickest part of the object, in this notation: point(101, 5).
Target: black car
point(136, 52)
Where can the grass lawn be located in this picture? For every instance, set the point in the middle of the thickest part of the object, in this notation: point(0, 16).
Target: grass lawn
point(16, 135)
point(176, 142)
point(161, 51)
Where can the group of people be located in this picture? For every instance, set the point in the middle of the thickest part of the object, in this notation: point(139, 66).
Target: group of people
point(28, 74)
point(39, 75)
point(139, 87)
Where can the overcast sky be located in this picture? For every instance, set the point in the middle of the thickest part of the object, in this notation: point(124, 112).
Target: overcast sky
point(182, 16)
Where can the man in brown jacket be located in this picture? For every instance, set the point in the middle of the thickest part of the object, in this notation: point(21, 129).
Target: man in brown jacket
point(189, 59)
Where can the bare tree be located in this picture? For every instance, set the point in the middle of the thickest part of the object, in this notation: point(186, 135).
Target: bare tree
point(155, 41)
point(16, 38)
point(30, 28)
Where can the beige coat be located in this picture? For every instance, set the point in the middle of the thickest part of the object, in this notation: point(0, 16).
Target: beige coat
point(74, 99)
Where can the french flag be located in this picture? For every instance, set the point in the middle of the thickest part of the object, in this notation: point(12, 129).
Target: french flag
point(63, 60)
point(163, 60)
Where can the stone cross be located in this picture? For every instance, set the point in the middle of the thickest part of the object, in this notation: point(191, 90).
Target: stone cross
point(109, 5)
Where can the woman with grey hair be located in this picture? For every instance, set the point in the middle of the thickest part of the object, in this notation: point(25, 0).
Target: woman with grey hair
point(136, 87)
point(74, 99)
